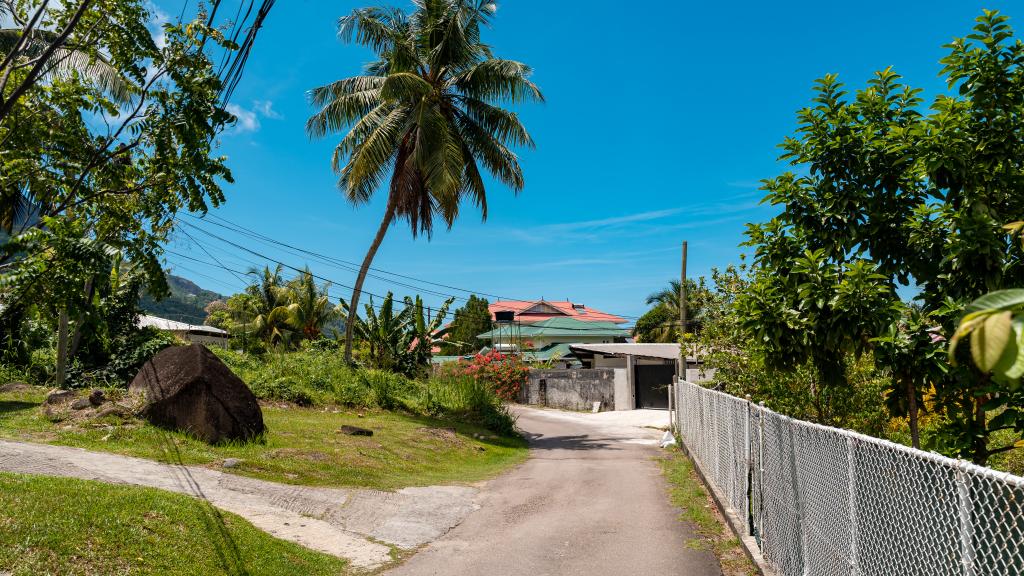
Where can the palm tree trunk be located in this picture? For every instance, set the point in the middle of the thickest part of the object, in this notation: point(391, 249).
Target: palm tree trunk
point(353, 307)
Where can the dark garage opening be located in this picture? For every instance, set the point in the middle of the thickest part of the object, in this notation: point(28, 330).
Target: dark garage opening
point(652, 382)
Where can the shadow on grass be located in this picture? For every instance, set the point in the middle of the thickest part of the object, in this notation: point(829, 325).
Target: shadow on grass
point(7, 406)
point(223, 543)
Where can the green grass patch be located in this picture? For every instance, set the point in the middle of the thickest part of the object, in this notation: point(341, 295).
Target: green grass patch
point(70, 527)
point(301, 446)
point(688, 493)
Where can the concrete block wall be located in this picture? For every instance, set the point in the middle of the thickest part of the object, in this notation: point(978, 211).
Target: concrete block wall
point(573, 389)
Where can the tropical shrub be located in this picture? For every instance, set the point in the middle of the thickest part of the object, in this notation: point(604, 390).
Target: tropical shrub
point(467, 399)
point(319, 376)
point(505, 374)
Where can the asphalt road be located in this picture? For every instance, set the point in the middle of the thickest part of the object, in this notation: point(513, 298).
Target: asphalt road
point(589, 501)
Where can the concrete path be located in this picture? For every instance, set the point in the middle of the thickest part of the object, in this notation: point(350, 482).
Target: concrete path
point(354, 524)
point(590, 501)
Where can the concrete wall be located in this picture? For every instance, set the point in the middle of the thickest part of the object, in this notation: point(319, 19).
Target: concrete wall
point(623, 390)
point(575, 389)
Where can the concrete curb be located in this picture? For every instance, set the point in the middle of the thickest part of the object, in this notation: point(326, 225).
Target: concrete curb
point(736, 525)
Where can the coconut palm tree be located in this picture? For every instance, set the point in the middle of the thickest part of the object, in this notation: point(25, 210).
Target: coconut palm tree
point(423, 115)
point(270, 314)
point(310, 307)
point(668, 300)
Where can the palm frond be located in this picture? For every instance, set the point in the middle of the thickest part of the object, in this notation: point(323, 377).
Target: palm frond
point(69, 60)
point(498, 79)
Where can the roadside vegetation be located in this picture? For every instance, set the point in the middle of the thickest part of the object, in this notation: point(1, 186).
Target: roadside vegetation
point(112, 529)
point(688, 493)
point(301, 446)
point(896, 220)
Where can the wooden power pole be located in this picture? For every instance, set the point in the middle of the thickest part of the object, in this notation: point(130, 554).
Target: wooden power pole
point(682, 309)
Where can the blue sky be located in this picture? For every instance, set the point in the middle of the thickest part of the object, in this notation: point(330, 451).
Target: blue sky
point(660, 120)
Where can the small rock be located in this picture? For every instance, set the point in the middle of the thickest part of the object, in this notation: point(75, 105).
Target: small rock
point(14, 387)
point(113, 410)
point(59, 397)
point(81, 404)
point(53, 412)
point(96, 397)
point(355, 431)
point(360, 414)
point(231, 462)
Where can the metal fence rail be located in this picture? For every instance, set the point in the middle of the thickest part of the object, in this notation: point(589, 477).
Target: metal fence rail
point(822, 501)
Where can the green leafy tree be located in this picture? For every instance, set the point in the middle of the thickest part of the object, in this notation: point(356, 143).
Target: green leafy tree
point(887, 193)
point(473, 318)
point(423, 116)
point(105, 135)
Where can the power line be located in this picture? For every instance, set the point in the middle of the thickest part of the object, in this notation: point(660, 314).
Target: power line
point(218, 264)
point(276, 261)
point(354, 267)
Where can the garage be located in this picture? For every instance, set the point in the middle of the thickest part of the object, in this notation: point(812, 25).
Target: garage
point(649, 368)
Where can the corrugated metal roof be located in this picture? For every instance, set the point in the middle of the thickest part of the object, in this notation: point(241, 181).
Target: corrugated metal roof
point(175, 326)
point(666, 351)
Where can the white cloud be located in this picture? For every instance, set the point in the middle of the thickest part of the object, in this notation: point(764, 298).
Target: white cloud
point(246, 120)
point(266, 109)
point(249, 118)
point(156, 24)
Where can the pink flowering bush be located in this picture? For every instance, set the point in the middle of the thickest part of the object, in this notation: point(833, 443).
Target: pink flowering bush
point(505, 374)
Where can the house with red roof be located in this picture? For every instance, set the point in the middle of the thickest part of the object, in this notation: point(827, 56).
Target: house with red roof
point(527, 312)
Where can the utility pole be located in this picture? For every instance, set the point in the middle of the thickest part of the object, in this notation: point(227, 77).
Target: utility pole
point(682, 311)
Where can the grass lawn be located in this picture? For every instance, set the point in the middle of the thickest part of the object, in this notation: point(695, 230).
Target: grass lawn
point(687, 493)
point(302, 445)
point(68, 526)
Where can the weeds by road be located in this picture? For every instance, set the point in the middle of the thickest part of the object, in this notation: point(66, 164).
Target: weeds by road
point(689, 495)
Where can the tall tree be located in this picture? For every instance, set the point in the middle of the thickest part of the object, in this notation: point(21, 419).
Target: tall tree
point(426, 111)
point(310, 306)
point(661, 323)
point(473, 318)
point(887, 193)
point(106, 132)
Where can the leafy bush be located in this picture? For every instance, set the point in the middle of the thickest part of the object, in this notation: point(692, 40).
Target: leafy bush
point(467, 399)
point(505, 374)
point(319, 376)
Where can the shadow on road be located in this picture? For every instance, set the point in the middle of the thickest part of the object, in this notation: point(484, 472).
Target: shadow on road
point(574, 442)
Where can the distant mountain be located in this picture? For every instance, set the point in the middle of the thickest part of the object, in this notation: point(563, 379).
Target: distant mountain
point(185, 304)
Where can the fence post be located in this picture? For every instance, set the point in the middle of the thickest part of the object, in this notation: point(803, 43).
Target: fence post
point(963, 483)
point(798, 504)
point(747, 463)
point(760, 474)
point(671, 417)
point(854, 523)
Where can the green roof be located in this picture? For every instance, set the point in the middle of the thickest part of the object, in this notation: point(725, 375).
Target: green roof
point(547, 353)
point(560, 327)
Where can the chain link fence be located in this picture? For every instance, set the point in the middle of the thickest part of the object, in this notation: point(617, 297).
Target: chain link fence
point(822, 501)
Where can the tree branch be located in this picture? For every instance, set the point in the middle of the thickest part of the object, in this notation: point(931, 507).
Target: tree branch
point(33, 75)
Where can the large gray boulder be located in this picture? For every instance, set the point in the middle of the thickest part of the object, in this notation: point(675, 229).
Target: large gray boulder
point(188, 388)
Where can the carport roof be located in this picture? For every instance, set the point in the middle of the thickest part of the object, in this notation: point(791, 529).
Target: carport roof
point(664, 351)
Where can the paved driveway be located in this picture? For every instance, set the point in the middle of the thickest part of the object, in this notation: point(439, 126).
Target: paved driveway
point(589, 501)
